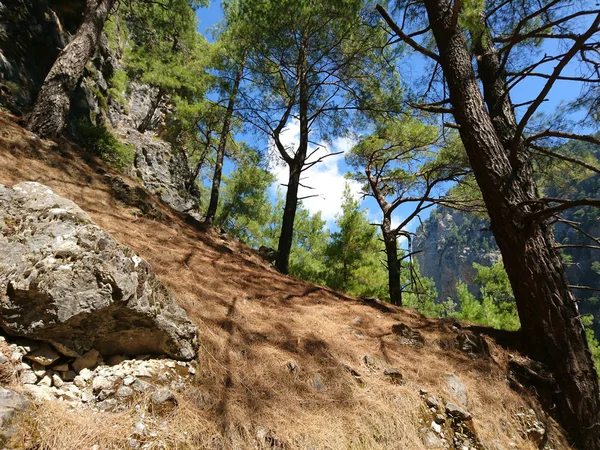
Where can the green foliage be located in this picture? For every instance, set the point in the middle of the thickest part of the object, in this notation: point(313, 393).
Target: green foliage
point(328, 53)
point(495, 306)
point(117, 86)
point(352, 254)
point(593, 343)
point(423, 297)
point(167, 50)
point(307, 258)
point(244, 208)
point(99, 141)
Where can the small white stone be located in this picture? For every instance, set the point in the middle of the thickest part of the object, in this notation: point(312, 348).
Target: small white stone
point(79, 382)
point(191, 370)
point(436, 427)
point(124, 392)
point(85, 374)
point(87, 396)
point(57, 381)
point(28, 377)
point(24, 366)
point(100, 383)
point(139, 429)
point(143, 372)
point(129, 380)
point(45, 381)
point(170, 364)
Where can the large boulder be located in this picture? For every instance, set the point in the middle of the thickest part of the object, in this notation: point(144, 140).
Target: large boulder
point(65, 281)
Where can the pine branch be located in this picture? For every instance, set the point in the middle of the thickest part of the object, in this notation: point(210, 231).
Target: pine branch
point(405, 38)
point(570, 159)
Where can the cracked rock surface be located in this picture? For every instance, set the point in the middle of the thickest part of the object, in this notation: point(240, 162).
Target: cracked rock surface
point(66, 282)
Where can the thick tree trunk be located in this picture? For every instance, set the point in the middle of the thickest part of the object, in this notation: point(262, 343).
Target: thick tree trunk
point(49, 115)
point(216, 184)
point(549, 317)
point(393, 264)
point(289, 215)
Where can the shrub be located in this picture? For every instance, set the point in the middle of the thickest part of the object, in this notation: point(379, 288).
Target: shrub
point(98, 140)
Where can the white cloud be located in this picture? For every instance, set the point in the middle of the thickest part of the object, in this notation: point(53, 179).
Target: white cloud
point(326, 178)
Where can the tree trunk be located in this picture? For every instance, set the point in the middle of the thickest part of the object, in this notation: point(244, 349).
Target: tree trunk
point(550, 320)
point(289, 215)
point(296, 164)
point(49, 115)
point(393, 264)
point(216, 184)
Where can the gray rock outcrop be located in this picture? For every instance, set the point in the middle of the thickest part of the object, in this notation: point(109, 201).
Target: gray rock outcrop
point(66, 282)
point(11, 404)
point(163, 171)
point(449, 243)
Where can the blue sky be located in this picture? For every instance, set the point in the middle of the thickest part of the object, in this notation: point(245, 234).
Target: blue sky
point(327, 178)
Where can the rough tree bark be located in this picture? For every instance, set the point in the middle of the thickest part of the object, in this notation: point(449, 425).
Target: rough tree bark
point(284, 247)
point(296, 165)
point(49, 115)
point(393, 263)
point(216, 184)
point(550, 322)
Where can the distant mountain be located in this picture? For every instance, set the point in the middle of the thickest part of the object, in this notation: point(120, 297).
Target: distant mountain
point(451, 241)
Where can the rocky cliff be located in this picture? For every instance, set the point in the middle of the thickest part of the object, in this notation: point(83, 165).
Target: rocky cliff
point(32, 32)
point(450, 242)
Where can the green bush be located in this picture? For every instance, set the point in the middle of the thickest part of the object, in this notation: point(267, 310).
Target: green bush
point(98, 140)
point(117, 86)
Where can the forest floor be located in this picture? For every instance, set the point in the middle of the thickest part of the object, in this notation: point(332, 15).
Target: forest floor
point(282, 363)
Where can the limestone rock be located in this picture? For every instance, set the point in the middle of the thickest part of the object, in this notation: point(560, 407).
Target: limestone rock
point(458, 390)
point(61, 367)
point(142, 386)
point(444, 261)
point(69, 375)
point(457, 412)
point(430, 439)
point(163, 400)
point(45, 381)
point(116, 359)
point(39, 393)
point(88, 360)
point(57, 381)
point(85, 374)
point(100, 383)
point(29, 377)
point(65, 281)
point(124, 392)
point(43, 355)
point(11, 403)
point(394, 375)
point(408, 336)
point(163, 171)
point(370, 361)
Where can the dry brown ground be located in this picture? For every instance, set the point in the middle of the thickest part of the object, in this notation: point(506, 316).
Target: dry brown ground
point(253, 321)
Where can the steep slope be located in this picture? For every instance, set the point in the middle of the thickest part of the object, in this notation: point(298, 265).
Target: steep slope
point(282, 363)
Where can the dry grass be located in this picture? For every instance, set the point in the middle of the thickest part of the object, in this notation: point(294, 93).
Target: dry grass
point(253, 322)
